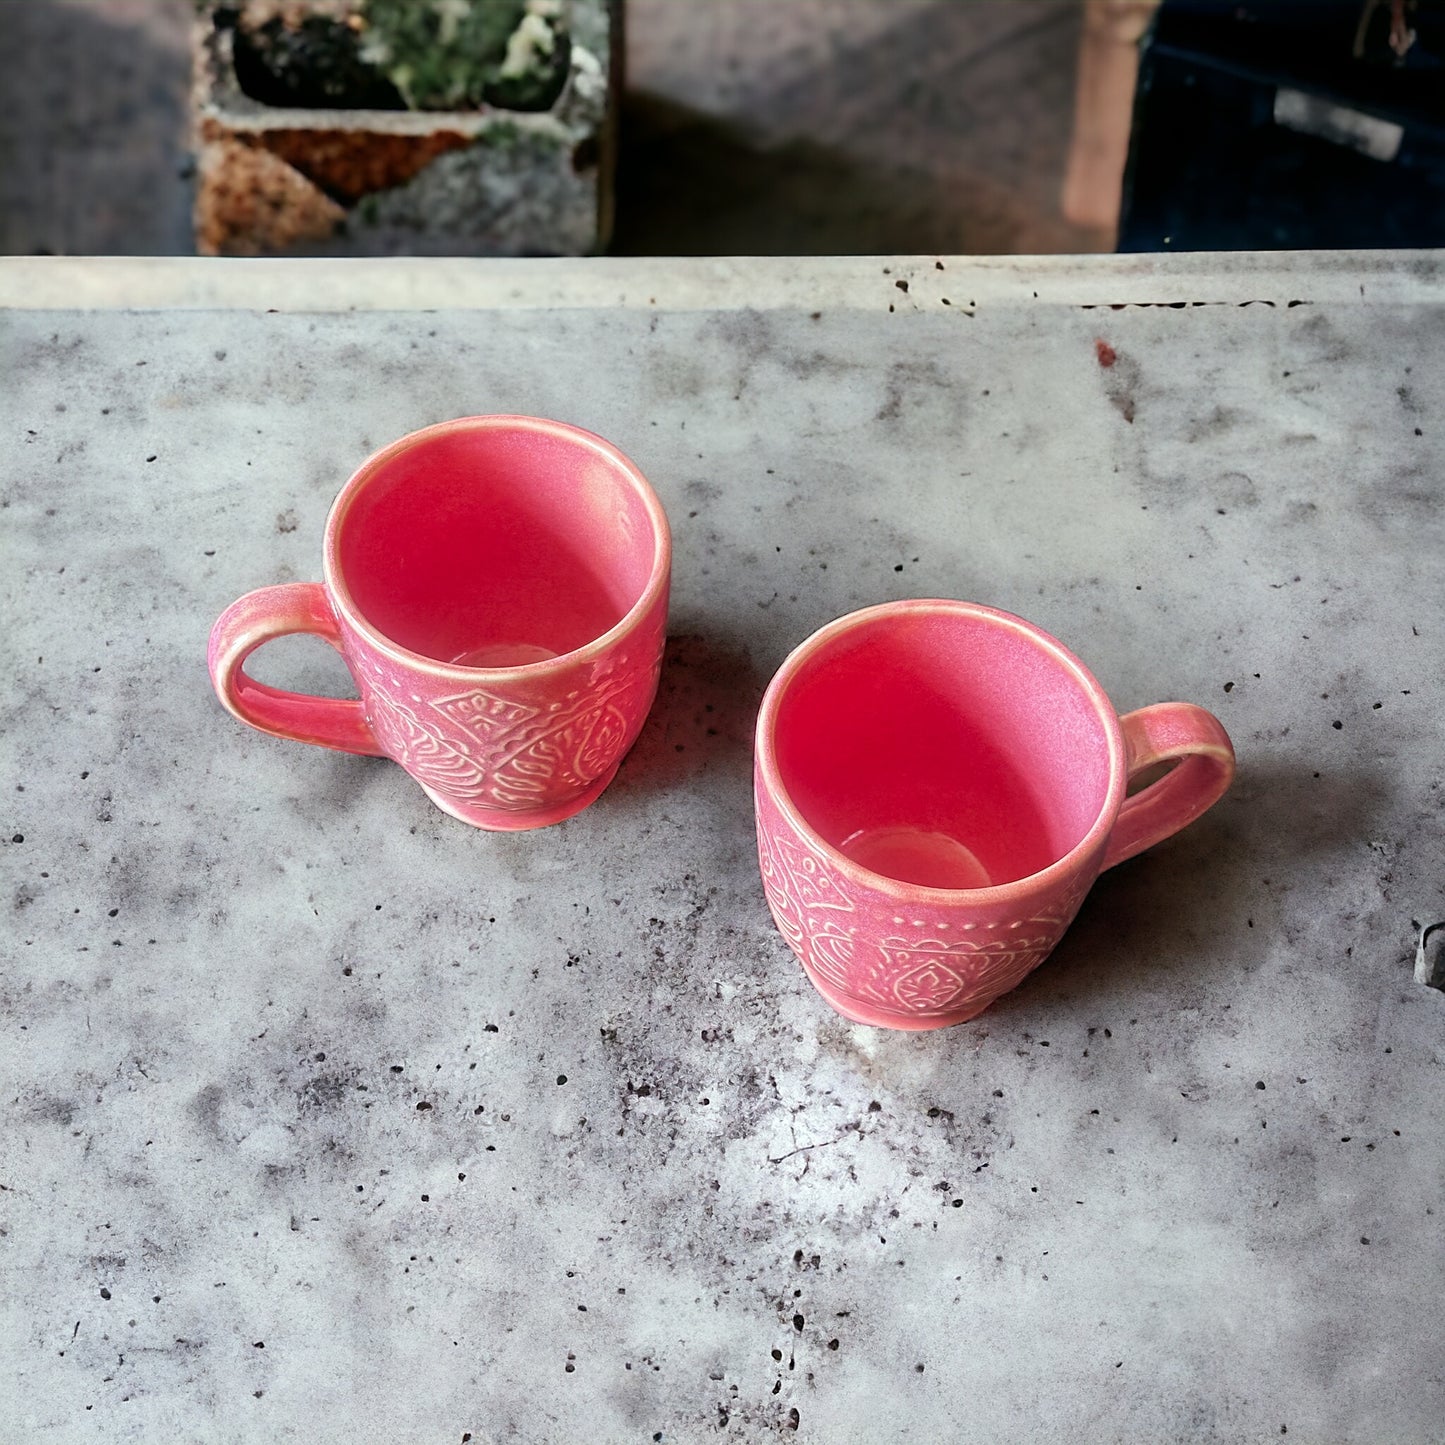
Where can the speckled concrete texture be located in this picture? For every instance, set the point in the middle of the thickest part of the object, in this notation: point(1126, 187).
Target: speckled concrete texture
point(327, 1118)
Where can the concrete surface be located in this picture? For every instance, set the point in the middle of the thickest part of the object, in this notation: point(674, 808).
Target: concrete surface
point(815, 126)
point(326, 1118)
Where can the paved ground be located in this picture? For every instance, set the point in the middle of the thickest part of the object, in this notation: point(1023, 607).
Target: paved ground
point(751, 126)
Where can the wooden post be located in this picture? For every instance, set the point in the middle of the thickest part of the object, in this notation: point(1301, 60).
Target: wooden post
point(1103, 108)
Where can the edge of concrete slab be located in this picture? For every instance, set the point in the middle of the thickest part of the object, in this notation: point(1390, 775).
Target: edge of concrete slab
point(953, 285)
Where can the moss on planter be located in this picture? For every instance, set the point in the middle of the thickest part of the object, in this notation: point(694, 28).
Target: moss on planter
point(385, 180)
point(432, 55)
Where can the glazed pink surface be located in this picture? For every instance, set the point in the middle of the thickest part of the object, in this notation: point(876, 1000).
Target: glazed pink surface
point(498, 587)
point(938, 784)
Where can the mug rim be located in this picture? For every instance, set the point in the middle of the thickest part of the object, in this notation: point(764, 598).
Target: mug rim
point(620, 464)
point(765, 752)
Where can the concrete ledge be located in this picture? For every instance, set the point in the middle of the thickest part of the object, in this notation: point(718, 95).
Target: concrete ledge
point(1269, 278)
point(1237, 1241)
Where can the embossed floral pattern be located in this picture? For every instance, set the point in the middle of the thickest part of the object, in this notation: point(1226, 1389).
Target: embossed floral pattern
point(853, 943)
point(507, 753)
point(930, 976)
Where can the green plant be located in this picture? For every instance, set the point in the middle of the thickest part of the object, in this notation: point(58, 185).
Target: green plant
point(458, 54)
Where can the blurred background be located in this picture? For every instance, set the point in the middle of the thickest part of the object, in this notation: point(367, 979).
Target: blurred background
point(739, 127)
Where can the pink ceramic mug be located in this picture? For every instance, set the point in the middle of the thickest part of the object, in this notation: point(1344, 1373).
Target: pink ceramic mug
point(938, 785)
point(498, 587)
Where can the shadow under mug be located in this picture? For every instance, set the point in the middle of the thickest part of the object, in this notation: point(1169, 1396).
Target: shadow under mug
point(498, 587)
point(938, 784)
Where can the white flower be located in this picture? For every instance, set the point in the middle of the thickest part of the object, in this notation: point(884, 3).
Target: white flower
point(451, 13)
point(531, 38)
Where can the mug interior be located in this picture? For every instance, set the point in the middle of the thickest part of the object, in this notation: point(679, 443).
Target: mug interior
point(944, 747)
point(496, 544)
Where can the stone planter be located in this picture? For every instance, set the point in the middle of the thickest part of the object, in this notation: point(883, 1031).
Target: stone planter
point(286, 181)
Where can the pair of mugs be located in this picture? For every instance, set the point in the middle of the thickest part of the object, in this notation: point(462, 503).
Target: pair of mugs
point(938, 784)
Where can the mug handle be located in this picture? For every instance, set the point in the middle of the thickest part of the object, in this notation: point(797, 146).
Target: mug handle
point(256, 618)
point(1160, 734)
